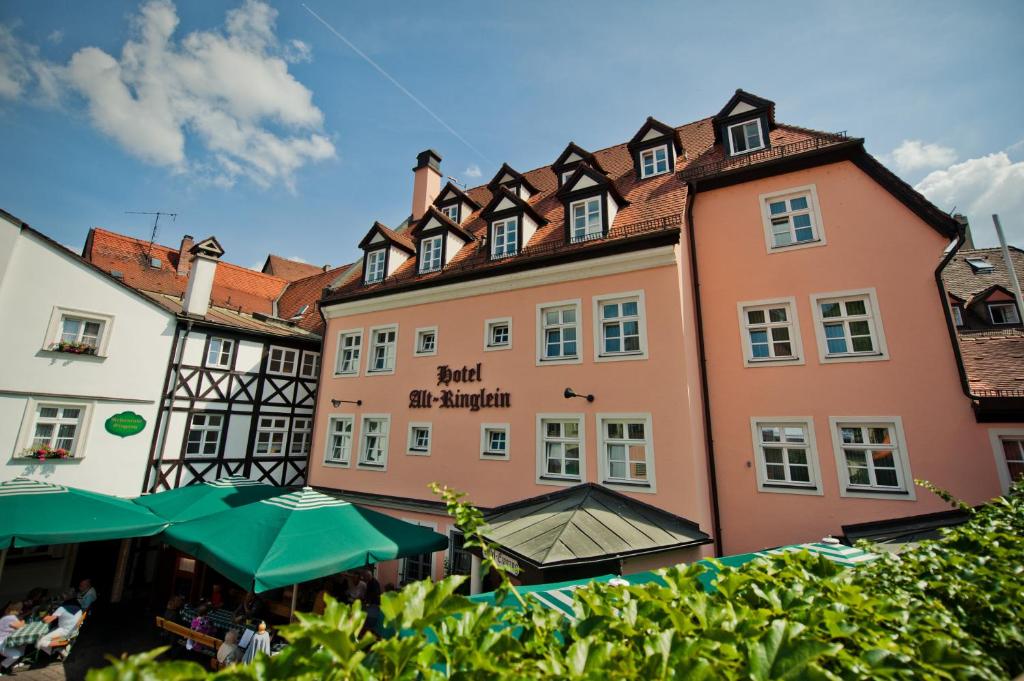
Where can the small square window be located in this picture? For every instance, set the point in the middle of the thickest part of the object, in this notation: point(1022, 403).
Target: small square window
point(792, 219)
point(78, 332)
point(494, 441)
point(57, 428)
point(271, 434)
point(654, 161)
point(787, 458)
point(625, 451)
point(419, 439)
point(980, 265)
point(310, 367)
point(219, 353)
point(848, 327)
point(745, 137)
point(558, 326)
point(203, 437)
point(498, 334)
point(452, 212)
point(770, 332)
point(1004, 313)
point(282, 361)
point(871, 457)
point(560, 443)
point(376, 262)
point(504, 238)
point(426, 342)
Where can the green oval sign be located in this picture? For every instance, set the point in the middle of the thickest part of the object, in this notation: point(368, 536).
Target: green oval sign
point(125, 424)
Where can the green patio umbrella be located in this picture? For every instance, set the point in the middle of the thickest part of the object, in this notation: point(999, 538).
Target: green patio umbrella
point(206, 498)
point(35, 513)
point(297, 537)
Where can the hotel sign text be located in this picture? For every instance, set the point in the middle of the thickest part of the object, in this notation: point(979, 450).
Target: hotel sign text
point(447, 397)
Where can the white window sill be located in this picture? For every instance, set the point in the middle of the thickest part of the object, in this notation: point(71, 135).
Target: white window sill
point(554, 361)
point(372, 466)
point(789, 488)
point(347, 374)
point(380, 372)
point(19, 460)
point(558, 480)
point(418, 452)
point(894, 494)
point(337, 464)
point(494, 456)
point(57, 354)
point(621, 357)
point(492, 348)
point(280, 373)
point(865, 357)
point(629, 486)
point(431, 353)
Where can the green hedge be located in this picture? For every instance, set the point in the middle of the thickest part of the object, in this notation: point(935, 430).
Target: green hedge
point(948, 609)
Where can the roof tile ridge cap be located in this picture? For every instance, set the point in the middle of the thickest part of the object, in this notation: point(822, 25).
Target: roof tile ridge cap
point(558, 537)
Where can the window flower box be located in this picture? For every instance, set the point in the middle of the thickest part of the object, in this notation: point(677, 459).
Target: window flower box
point(74, 348)
point(46, 453)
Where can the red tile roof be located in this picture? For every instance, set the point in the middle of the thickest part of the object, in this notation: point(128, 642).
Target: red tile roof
point(962, 281)
point(994, 360)
point(292, 270)
point(306, 292)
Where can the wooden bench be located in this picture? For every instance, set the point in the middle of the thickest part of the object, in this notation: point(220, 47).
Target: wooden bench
point(209, 643)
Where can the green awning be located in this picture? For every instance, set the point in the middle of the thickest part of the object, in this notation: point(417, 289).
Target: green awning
point(206, 498)
point(297, 537)
point(35, 513)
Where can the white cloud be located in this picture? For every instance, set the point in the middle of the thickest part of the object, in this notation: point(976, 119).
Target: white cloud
point(979, 187)
point(229, 90)
point(56, 36)
point(296, 51)
point(916, 155)
point(472, 171)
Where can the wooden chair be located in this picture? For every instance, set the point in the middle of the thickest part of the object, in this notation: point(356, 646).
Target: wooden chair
point(208, 642)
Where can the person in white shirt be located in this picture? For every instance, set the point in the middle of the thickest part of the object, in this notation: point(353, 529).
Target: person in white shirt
point(67, 616)
point(10, 623)
point(86, 594)
point(229, 652)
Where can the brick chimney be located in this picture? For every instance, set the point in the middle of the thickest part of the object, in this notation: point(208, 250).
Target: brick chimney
point(205, 256)
point(184, 257)
point(968, 237)
point(426, 184)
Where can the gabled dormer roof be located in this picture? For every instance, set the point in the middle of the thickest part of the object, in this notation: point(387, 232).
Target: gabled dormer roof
point(586, 177)
point(388, 235)
point(451, 191)
point(508, 174)
point(573, 154)
point(505, 200)
point(742, 102)
point(434, 218)
point(985, 294)
point(654, 130)
point(208, 246)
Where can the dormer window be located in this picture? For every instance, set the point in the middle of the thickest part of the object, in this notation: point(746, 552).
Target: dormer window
point(431, 254)
point(376, 261)
point(654, 161)
point(452, 212)
point(505, 239)
point(586, 219)
point(745, 137)
point(980, 265)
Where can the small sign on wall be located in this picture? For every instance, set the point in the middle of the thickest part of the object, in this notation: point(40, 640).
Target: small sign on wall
point(125, 424)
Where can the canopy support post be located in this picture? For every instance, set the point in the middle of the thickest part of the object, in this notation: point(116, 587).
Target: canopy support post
point(120, 571)
point(295, 597)
point(3, 561)
point(475, 579)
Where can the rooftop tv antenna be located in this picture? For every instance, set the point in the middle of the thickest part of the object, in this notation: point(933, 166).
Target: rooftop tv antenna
point(156, 226)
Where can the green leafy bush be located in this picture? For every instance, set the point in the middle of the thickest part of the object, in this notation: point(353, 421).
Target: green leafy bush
point(949, 609)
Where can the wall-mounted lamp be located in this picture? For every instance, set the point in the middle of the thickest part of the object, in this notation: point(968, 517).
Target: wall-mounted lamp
point(338, 403)
point(570, 393)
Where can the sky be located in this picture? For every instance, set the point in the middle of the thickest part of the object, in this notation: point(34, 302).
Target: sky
point(289, 127)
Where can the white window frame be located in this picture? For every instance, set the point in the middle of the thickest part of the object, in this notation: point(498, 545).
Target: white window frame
point(881, 351)
point(411, 450)
point(436, 260)
point(1004, 304)
point(760, 132)
point(603, 471)
point(485, 429)
point(306, 433)
point(54, 329)
point(813, 208)
point(814, 487)
point(217, 364)
point(373, 258)
point(794, 331)
point(361, 462)
point(598, 326)
point(370, 371)
point(906, 490)
point(490, 324)
point(329, 440)
point(957, 311)
point(295, 360)
point(542, 346)
point(271, 430)
point(996, 436)
point(433, 555)
point(342, 335)
point(448, 210)
point(653, 153)
point(504, 223)
point(545, 478)
point(417, 350)
point(590, 231)
point(316, 364)
point(30, 417)
point(205, 428)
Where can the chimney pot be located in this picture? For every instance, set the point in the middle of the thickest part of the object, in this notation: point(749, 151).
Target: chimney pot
point(184, 257)
point(202, 270)
point(426, 181)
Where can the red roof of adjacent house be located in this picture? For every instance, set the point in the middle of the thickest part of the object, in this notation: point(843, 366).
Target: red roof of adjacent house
point(993, 359)
point(292, 270)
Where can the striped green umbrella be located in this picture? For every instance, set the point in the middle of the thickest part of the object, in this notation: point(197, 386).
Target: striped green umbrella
point(206, 498)
point(35, 513)
point(297, 537)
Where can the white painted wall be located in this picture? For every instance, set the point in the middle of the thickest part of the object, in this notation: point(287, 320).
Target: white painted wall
point(39, 277)
point(395, 259)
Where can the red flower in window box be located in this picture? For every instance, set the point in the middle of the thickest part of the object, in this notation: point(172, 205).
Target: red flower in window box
point(74, 348)
point(46, 452)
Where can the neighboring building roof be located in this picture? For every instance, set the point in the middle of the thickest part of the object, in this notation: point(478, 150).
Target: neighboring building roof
point(305, 293)
point(584, 524)
point(965, 282)
point(897, 533)
point(994, 361)
point(234, 319)
point(292, 270)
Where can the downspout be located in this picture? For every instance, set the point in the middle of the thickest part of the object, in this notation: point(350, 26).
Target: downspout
point(716, 519)
point(950, 325)
point(174, 391)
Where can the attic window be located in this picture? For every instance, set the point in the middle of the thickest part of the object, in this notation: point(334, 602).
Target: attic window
point(452, 212)
point(155, 263)
point(117, 274)
point(375, 263)
point(980, 265)
point(431, 254)
point(302, 311)
point(745, 137)
point(654, 161)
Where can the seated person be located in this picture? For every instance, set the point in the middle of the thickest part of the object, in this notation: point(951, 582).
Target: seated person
point(251, 607)
point(86, 594)
point(67, 616)
point(9, 623)
point(216, 597)
point(172, 610)
point(201, 623)
point(229, 653)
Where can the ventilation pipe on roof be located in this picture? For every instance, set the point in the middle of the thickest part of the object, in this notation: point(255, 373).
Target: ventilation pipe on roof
point(968, 237)
point(426, 184)
point(184, 257)
point(200, 281)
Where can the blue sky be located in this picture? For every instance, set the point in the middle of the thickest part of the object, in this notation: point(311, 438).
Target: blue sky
point(255, 123)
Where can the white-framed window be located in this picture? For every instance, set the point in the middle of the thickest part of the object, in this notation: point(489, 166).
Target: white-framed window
point(58, 426)
point(505, 237)
point(376, 262)
point(586, 219)
point(426, 342)
point(204, 431)
point(373, 450)
point(786, 454)
point(1003, 313)
point(770, 332)
point(282, 361)
point(218, 355)
point(339, 440)
point(310, 367)
point(271, 434)
point(302, 433)
point(560, 449)
point(792, 219)
point(626, 450)
point(383, 341)
point(558, 333)
point(430, 253)
point(654, 161)
point(419, 567)
point(848, 326)
point(620, 327)
point(419, 439)
point(958, 314)
point(350, 343)
point(745, 137)
point(1008, 447)
point(498, 334)
point(452, 212)
point(494, 441)
point(78, 330)
point(871, 456)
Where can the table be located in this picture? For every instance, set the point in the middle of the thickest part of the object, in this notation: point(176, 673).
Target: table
point(222, 619)
point(28, 634)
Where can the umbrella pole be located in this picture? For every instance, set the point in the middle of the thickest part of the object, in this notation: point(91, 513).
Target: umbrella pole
point(3, 559)
point(295, 596)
